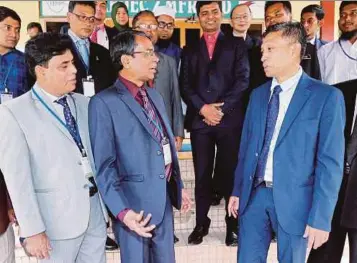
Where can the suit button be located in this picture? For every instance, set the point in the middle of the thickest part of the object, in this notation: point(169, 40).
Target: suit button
point(256, 154)
point(79, 163)
point(162, 176)
point(158, 152)
point(208, 91)
point(86, 186)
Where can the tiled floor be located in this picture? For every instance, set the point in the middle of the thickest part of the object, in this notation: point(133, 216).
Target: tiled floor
point(212, 250)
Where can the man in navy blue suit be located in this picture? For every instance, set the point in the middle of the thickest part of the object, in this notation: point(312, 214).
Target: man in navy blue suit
point(135, 154)
point(214, 78)
point(291, 155)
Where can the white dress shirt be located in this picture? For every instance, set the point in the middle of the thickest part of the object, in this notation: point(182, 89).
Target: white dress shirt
point(102, 38)
point(335, 66)
point(312, 41)
point(288, 88)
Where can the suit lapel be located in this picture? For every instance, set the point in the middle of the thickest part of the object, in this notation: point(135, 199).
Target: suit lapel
point(297, 102)
point(204, 51)
point(218, 48)
point(47, 114)
point(134, 106)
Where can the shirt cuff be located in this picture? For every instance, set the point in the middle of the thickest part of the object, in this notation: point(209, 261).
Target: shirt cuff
point(122, 214)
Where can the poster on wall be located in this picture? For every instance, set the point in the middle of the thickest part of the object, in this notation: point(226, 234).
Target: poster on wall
point(184, 9)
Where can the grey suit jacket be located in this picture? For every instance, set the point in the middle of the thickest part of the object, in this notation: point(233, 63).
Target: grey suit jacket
point(42, 166)
point(166, 83)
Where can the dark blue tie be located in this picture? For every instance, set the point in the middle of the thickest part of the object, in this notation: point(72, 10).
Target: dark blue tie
point(272, 116)
point(70, 122)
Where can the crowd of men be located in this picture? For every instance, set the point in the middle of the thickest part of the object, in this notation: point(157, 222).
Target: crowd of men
point(92, 121)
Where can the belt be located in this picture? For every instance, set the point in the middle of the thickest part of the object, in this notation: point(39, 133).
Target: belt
point(92, 191)
point(258, 182)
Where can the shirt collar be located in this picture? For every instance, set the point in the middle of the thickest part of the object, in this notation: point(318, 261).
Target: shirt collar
point(52, 98)
point(289, 83)
point(75, 38)
point(313, 41)
point(211, 37)
point(236, 35)
point(132, 87)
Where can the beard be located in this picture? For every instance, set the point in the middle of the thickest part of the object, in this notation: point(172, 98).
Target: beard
point(348, 35)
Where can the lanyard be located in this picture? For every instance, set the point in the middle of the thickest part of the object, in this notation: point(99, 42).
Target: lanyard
point(76, 137)
point(343, 50)
point(157, 125)
point(7, 76)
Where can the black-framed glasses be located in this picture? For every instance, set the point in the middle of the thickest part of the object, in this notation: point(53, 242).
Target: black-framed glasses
point(169, 26)
point(82, 18)
point(148, 53)
point(146, 27)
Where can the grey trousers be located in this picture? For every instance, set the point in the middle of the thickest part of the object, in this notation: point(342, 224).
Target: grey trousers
point(7, 246)
point(87, 248)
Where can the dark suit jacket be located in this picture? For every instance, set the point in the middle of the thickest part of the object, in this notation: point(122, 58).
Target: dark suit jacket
point(111, 32)
point(4, 219)
point(100, 68)
point(222, 79)
point(349, 210)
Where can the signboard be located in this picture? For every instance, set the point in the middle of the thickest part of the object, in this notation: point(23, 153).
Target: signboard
point(184, 9)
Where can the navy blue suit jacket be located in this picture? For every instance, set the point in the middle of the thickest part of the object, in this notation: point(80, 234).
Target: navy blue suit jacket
point(308, 157)
point(223, 79)
point(128, 157)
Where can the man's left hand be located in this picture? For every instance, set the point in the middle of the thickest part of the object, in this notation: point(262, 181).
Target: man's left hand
point(186, 201)
point(316, 237)
point(178, 143)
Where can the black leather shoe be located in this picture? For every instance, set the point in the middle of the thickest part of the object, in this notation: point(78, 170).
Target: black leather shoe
point(232, 232)
point(176, 239)
point(110, 244)
point(216, 199)
point(196, 237)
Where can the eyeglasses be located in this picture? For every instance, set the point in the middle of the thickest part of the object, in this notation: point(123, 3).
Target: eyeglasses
point(146, 27)
point(148, 53)
point(90, 19)
point(239, 18)
point(169, 26)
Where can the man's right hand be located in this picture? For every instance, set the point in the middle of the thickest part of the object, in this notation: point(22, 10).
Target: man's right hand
point(38, 246)
point(233, 206)
point(212, 113)
point(137, 223)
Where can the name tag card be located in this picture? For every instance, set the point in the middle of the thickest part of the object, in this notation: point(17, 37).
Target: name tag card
point(6, 96)
point(88, 87)
point(87, 169)
point(167, 151)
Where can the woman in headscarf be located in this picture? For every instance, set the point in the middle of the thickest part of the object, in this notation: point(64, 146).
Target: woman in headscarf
point(120, 16)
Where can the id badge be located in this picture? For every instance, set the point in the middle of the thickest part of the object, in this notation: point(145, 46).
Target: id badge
point(167, 151)
point(88, 87)
point(6, 96)
point(87, 169)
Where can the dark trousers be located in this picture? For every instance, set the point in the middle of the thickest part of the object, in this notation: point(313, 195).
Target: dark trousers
point(204, 144)
point(332, 250)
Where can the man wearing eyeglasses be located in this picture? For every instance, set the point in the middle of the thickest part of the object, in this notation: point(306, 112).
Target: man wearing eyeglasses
point(94, 67)
point(165, 16)
point(135, 154)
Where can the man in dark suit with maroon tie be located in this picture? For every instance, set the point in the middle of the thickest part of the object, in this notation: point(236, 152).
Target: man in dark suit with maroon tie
point(214, 77)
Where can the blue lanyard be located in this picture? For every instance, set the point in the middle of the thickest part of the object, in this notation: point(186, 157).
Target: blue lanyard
point(7, 76)
point(344, 52)
point(76, 137)
point(157, 125)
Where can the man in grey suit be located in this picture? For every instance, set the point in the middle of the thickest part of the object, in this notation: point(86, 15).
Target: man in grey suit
point(52, 186)
point(166, 78)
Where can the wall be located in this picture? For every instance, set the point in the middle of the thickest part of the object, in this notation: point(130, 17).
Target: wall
point(28, 11)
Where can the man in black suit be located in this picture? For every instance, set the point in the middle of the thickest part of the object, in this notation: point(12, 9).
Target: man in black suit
point(92, 61)
point(344, 220)
point(214, 76)
point(102, 34)
point(312, 18)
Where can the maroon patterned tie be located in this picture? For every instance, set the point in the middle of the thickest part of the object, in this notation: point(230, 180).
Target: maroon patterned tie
point(152, 117)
